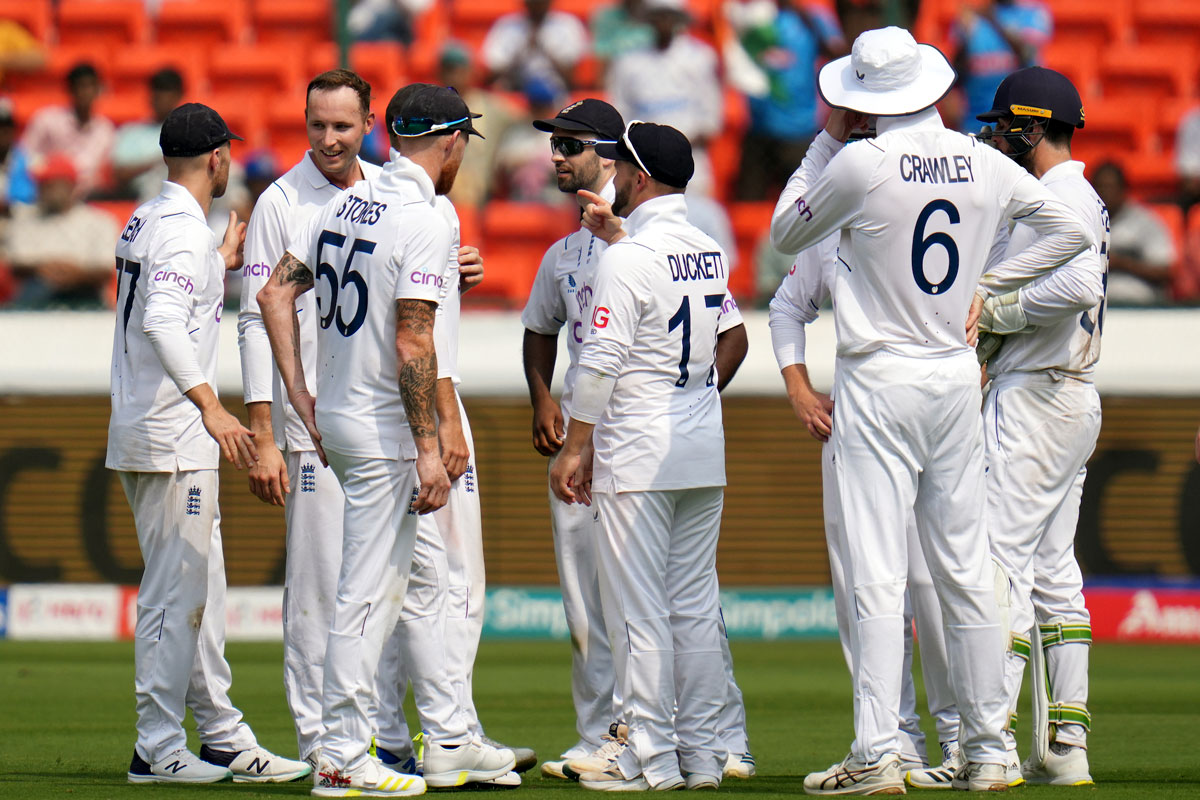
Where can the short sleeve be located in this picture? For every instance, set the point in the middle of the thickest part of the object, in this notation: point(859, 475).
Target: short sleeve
point(180, 271)
point(420, 256)
point(616, 310)
point(303, 243)
point(730, 316)
point(546, 312)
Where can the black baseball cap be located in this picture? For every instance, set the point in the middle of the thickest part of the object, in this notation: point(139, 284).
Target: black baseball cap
point(420, 109)
point(589, 115)
point(1037, 92)
point(660, 151)
point(193, 129)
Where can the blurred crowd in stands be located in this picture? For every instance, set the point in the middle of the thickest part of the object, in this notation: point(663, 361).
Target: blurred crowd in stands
point(738, 78)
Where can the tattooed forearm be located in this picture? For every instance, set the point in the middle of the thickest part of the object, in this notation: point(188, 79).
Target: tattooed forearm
point(292, 270)
point(417, 364)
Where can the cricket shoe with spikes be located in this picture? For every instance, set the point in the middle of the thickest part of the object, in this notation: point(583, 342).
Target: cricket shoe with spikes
point(941, 776)
point(854, 777)
point(602, 758)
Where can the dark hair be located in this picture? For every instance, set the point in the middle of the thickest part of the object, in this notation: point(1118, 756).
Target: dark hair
point(1114, 169)
point(81, 71)
point(1059, 133)
point(166, 79)
point(336, 78)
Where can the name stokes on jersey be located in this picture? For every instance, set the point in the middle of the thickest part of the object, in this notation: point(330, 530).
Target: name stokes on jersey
point(355, 209)
point(936, 169)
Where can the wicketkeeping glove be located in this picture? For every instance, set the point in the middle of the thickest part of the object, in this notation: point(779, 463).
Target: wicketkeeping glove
point(1003, 314)
point(989, 345)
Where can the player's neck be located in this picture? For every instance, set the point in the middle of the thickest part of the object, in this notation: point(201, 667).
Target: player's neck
point(342, 180)
point(1047, 158)
point(198, 186)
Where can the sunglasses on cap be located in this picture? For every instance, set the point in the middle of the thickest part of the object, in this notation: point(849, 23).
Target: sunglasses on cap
point(419, 126)
point(573, 147)
point(633, 150)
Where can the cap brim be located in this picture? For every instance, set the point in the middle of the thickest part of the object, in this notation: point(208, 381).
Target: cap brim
point(561, 124)
point(615, 151)
point(840, 87)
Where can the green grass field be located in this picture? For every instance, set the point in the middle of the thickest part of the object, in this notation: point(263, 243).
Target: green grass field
point(67, 723)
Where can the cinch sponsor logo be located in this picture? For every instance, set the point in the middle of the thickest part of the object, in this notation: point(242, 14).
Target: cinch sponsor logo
point(426, 278)
point(729, 305)
point(575, 332)
point(583, 298)
point(257, 269)
point(696, 266)
point(182, 281)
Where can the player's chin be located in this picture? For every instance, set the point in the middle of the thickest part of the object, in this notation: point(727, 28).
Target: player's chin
point(567, 182)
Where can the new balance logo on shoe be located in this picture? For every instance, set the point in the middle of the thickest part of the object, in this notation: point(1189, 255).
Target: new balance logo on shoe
point(258, 766)
point(175, 767)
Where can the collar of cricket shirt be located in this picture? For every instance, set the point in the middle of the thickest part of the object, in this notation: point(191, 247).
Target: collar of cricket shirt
point(669, 208)
point(181, 196)
point(399, 169)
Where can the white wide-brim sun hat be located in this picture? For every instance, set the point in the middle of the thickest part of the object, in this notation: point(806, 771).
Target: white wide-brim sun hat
point(887, 74)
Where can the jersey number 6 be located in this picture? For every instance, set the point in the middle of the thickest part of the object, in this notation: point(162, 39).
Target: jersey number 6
point(349, 276)
point(921, 245)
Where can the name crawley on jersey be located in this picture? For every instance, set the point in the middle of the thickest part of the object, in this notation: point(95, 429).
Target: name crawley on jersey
point(924, 169)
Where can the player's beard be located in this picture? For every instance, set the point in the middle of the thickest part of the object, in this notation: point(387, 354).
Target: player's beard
point(221, 181)
point(621, 199)
point(581, 176)
point(445, 181)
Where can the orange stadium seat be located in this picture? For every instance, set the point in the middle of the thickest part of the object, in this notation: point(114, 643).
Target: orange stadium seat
point(34, 15)
point(285, 128)
point(1099, 24)
point(117, 23)
point(1115, 128)
point(1170, 22)
point(381, 64)
point(298, 22)
point(124, 107)
point(431, 28)
point(59, 60)
point(244, 113)
point(1185, 281)
point(1157, 72)
point(517, 235)
point(1151, 176)
point(267, 67)
point(133, 66)
point(28, 103)
point(202, 23)
point(1171, 216)
point(750, 222)
point(1078, 61)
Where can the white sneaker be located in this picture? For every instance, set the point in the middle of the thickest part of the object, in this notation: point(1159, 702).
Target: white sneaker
point(1012, 771)
point(257, 765)
point(697, 781)
point(739, 765)
point(939, 777)
point(1068, 768)
point(466, 763)
point(854, 777)
point(554, 769)
point(180, 766)
point(525, 757)
point(509, 780)
point(981, 778)
point(371, 780)
point(603, 757)
point(613, 781)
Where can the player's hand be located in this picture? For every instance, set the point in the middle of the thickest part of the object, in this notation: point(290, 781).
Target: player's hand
point(547, 428)
point(842, 123)
point(235, 241)
point(268, 476)
point(470, 268)
point(562, 476)
point(434, 489)
point(815, 410)
point(973, 320)
point(598, 217)
point(235, 439)
point(306, 407)
point(583, 477)
point(453, 444)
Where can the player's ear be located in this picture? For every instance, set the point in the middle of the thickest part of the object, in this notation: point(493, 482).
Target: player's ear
point(369, 122)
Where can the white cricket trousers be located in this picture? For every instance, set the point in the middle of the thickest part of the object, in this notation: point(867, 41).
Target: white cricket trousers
point(313, 513)
point(1040, 430)
point(909, 437)
point(462, 532)
point(592, 682)
point(179, 638)
point(379, 532)
point(416, 651)
point(658, 581)
point(920, 605)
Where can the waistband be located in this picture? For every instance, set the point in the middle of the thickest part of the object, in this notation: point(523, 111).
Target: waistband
point(1042, 377)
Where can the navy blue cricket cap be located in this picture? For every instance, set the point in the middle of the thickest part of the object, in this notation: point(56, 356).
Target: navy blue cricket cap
point(588, 116)
point(193, 129)
point(421, 109)
point(1037, 92)
point(660, 151)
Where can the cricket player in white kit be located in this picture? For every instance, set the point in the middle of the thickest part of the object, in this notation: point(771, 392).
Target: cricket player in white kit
point(337, 118)
point(1042, 419)
point(646, 384)
point(803, 292)
point(918, 206)
point(390, 244)
point(165, 439)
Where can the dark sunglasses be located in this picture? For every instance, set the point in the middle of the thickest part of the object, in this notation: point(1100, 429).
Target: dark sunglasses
point(419, 126)
point(572, 147)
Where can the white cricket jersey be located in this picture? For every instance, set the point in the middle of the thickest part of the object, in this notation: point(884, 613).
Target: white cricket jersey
point(281, 212)
point(798, 300)
point(919, 207)
point(658, 296)
point(171, 286)
point(562, 296)
point(1067, 305)
point(377, 242)
point(449, 310)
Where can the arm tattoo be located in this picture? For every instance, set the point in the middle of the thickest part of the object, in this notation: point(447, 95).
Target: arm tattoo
point(418, 365)
point(292, 270)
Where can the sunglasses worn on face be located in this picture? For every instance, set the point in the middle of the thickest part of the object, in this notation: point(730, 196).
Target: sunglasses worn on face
point(572, 147)
point(419, 126)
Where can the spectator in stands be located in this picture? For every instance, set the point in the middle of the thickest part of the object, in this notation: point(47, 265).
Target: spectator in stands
point(783, 120)
point(138, 167)
point(261, 172)
point(1140, 250)
point(619, 28)
point(672, 82)
point(524, 171)
point(857, 16)
point(16, 184)
point(385, 20)
point(19, 51)
point(535, 44)
point(1187, 158)
point(77, 132)
point(60, 250)
point(455, 69)
point(992, 39)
